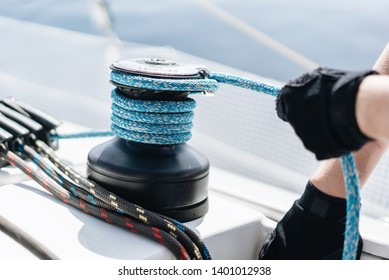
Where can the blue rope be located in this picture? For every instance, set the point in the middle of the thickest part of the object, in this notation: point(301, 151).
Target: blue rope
point(86, 134)
point(166, 122)
point(192, 85)
point(351, 179)
point(241, 82)
point(152, 122)
point(169, 122)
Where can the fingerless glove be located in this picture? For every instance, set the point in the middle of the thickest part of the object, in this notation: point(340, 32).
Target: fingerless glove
point(313, 229)
point(320, 106)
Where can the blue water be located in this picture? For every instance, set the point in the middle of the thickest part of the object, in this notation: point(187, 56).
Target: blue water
point(347, 34)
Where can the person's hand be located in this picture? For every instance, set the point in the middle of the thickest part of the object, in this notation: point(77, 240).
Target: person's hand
point(320, 106)
point(313, 229)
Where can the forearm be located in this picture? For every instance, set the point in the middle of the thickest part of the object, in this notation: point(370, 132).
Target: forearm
point(372, 103)
point(372, 107)
point(372, 114)
point(329, 177)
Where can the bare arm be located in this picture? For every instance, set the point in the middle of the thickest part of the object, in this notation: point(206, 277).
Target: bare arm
point(372, 113)
point(372, 104)
point(329, 177)
point(372, 107)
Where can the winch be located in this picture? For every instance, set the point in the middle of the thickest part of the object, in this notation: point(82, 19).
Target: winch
point(148, 162)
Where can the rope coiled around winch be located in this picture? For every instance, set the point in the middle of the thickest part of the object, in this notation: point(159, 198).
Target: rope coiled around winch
point(152, 122)
point(166, 122)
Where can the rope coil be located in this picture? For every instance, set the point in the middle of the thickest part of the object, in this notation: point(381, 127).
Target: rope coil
point(152, 122)
point(166, 122)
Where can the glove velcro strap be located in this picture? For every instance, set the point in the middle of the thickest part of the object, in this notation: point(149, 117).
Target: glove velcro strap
point(323, 205)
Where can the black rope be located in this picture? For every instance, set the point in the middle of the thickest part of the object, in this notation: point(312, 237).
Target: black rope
point(193, 244)
point(106, 215)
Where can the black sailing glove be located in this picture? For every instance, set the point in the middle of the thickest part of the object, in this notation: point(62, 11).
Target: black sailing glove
point(320, 106)
point(313, 229)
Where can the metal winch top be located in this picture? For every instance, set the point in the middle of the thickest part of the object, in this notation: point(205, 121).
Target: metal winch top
point(157, 67)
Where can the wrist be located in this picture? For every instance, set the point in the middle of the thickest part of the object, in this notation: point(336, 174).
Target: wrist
point(342, 110)
point(323, 205)
point(371, 107)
